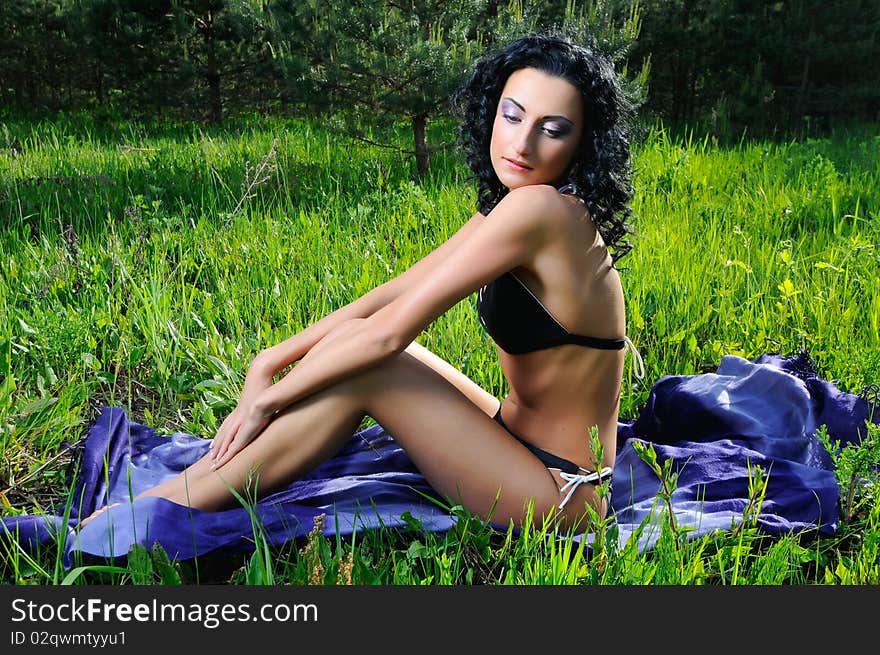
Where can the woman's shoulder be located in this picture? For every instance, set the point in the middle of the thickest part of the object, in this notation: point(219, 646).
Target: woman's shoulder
point(535, 192)
point(550, 202)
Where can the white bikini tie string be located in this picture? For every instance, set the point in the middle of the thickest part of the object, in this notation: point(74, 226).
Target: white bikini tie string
point(577, 479)
point(637, 359)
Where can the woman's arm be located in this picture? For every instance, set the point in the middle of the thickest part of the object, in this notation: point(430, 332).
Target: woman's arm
point(268, 362)
point(273, 359)
point(519, 227)
point(277, 357)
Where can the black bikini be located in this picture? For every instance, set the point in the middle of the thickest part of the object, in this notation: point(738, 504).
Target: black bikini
point(549, 459)
point(519, 323)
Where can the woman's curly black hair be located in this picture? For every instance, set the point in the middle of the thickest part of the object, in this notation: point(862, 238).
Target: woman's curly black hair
point(601, 169)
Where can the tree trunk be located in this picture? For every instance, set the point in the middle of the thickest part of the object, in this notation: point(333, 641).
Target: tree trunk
point(422, 157)
point(212, 74)
point(687, 74)
point(805, 71)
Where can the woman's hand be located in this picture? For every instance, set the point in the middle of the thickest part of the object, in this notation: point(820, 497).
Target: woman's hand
point(258, 380)
point(246, 427)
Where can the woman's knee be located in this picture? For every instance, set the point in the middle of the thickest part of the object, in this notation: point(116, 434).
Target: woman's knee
point(374, 380)
point(340, 330)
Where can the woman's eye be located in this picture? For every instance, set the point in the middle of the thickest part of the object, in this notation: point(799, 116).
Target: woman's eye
point(510, 118)
point(554, 130)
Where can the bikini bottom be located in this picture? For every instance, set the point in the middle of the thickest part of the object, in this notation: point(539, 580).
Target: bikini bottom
point(574, 474)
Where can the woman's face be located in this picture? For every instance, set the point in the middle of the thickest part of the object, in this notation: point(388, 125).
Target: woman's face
point(538, 126)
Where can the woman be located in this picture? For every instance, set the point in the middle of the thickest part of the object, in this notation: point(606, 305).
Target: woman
point(545, 134)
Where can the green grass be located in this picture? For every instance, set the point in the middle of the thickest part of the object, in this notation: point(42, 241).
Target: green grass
point(145, 264)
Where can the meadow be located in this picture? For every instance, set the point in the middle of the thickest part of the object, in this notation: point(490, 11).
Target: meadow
point(144, 265)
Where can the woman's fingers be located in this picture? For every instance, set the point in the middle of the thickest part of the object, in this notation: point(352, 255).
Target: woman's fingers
point(246, 432)
point(219, 436)
point(222, 437)
point(225, 442)
point(225, 455)
point(228, 453)
point(225, 435)
point(229, 450)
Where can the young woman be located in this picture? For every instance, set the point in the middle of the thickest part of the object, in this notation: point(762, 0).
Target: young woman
point(545, 132)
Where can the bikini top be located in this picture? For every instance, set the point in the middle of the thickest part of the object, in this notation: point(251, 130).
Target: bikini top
point(519, 323)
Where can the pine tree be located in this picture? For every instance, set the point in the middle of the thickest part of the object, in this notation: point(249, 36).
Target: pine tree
point(35, 54)
point(195, 57)
point(375, 63)
point(760, 65)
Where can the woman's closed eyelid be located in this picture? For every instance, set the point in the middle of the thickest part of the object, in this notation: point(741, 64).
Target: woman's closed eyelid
point(556, 130)
point(553, 129)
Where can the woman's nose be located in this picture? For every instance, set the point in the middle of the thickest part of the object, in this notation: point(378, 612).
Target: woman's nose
point(522, 144)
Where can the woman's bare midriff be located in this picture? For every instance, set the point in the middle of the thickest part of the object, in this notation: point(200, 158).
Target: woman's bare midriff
point(557, 395)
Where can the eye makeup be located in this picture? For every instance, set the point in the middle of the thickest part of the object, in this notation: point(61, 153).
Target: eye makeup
point(556, 129)
point(511, 110)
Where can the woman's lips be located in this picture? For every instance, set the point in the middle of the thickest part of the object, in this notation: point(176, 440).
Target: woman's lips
point(517, 167)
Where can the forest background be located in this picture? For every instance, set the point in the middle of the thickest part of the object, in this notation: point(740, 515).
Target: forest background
point(729, 66)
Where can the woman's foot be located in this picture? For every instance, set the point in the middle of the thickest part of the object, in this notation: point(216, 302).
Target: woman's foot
point(96, 514)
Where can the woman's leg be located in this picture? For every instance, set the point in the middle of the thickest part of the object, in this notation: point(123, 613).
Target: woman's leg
point(462, 452)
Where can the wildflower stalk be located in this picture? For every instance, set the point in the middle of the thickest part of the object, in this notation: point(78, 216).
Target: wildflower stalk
point(668, 478)
point(264, 171)
point(758, 481)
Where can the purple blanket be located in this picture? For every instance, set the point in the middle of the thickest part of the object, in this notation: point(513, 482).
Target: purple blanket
point(714, 426)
